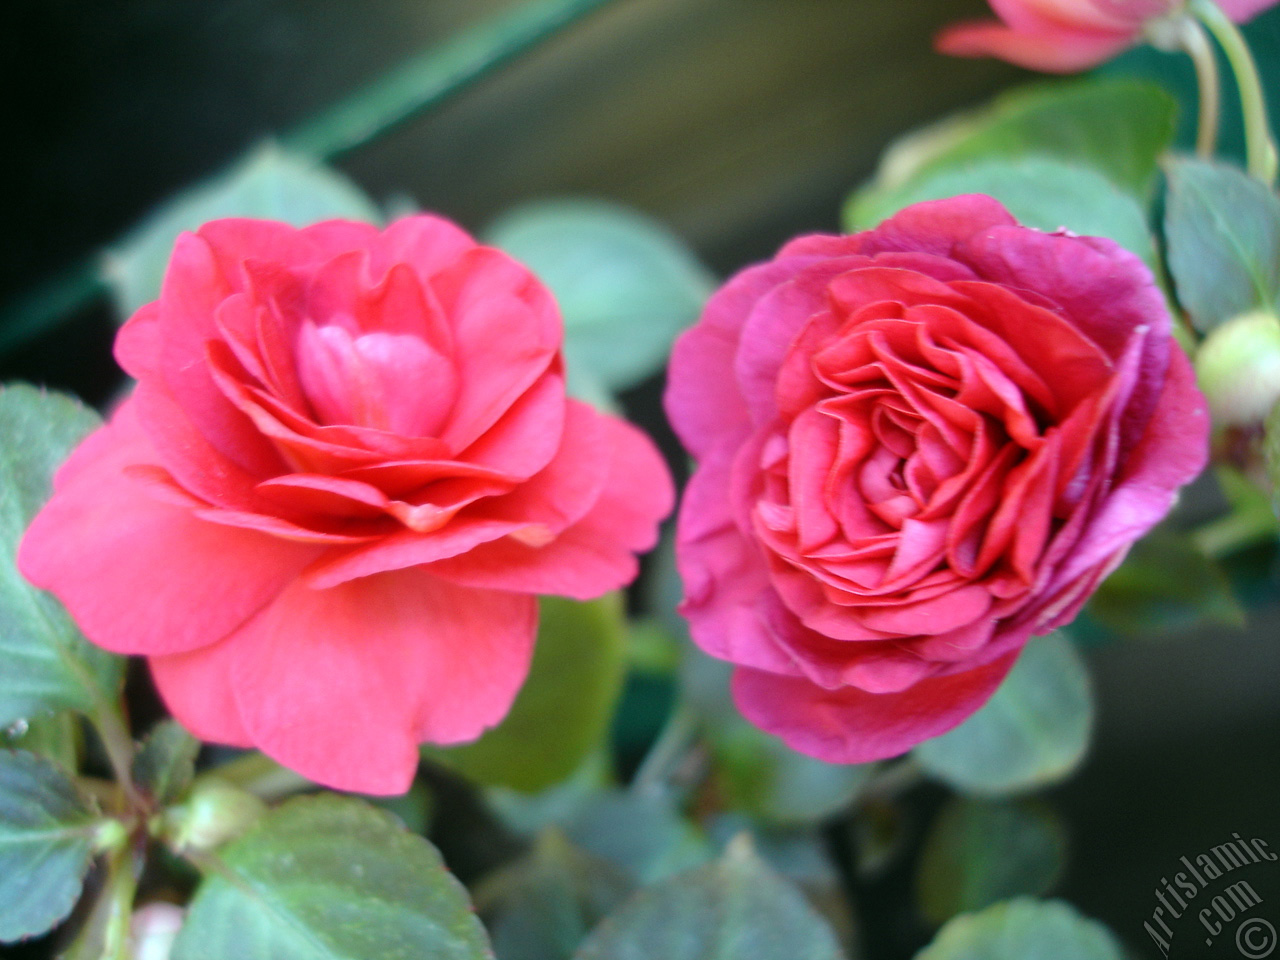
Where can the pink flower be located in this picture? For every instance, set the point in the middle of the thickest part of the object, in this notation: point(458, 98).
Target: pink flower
point(917, 447)
point(1067, 36)
point(347, 469)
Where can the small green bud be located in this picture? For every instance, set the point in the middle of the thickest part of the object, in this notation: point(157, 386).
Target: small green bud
point(110, 835)
point(214, 813)
point(1238, 368)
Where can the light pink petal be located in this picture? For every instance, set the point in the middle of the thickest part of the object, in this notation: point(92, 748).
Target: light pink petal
point(523, 441)
point(426, 243)
point(1242, 11)
point(1048, 51)
point(936, 226)
point(507, 332)
point(274, 526)
point(393, 382)
point(638, 492)
point(566, 488)
point(194, 287)
point(534, 512)
point(331, 496)
point(940, 614)
point(1095, 15)
point(597, 553)
point(233, 241)
point(886, 672)
point(772, 324)
point(332, 238)
point(1172, 452)
point(852, 726)
point(342, 685)
point(699, 404)
point(725, 577)
point(408, 548)
point(813, 441)
point(197, 688)
point(186, 454)
point(141, 574)
point(1108, 292)
point(138, 344)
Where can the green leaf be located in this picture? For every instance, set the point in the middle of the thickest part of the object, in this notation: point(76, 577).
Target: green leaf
point(1032, 732)
point(735, 907)
point(1072, 121)
point(1271, 450)
point(47, 839)
point(56, 736)
point(652, 649)
point(626, 285)
point(542, 907)
point(48, 665)
point(978, 853)
point(1222, 228)
point(1166, 584)
point(639, 831)
point(329, 878)
point(1039, 191)
point(563, 710)
point(803, 857)
point(757, 772)
point(166, 763)
point(1023, 929)
point(269, 183)
point(763, 776)
point(528, 814)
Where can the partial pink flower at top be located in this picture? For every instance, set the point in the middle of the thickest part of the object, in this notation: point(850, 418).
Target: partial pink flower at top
point(1067, 36)
point(917, 447)
point(347, 470)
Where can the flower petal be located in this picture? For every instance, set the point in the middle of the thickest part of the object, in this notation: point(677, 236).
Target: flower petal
point(702, 411)
point(196, 687)
point(852, 726)
point(141, 574)
point(1062, 50)
point(341, 685)
point(596, 553)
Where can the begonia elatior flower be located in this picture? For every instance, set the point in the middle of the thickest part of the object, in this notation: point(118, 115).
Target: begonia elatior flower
point(917, 447)
point(348, 469)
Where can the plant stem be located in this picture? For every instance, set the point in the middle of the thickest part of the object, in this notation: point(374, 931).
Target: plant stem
point(665, 754)
point(121, 891)
point(105, 934)
point(108, 720)
point(892, 779)
point(258, 774)
point(1260, 147)
point(430, 78)
point(1232, 533)
point(45, 306)
point(1196, 43)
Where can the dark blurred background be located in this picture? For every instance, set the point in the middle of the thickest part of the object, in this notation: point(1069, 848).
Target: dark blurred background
point(737, 122)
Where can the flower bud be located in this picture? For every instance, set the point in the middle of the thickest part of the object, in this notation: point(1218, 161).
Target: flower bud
point(1238, 368)
point(214, 813)
point(152, 931)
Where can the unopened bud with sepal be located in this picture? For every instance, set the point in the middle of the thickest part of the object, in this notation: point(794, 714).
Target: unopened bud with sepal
point(1238, 368)
point(214, 813)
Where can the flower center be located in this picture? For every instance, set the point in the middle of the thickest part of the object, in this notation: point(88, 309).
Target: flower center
point(389, 381)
